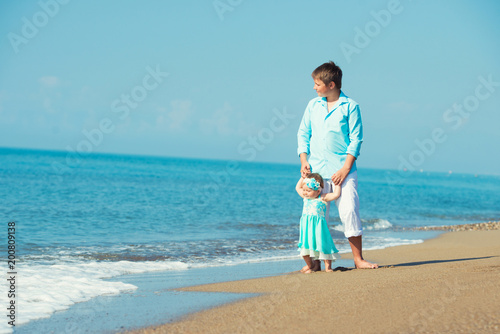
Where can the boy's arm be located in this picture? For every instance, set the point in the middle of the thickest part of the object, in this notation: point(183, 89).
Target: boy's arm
point(334, 195)
point(355, 138)
point(355, 132)
point(342, 173)
point(303, 140)
point(298, 187)
point(305, 168)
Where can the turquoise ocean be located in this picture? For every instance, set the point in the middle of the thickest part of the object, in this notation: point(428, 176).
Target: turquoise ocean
point(80, 221)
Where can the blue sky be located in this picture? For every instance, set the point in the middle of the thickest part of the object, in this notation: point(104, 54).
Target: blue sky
point(230, 79)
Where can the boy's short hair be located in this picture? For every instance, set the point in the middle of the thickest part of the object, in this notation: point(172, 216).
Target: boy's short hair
point(317, 177)
point(327, 73)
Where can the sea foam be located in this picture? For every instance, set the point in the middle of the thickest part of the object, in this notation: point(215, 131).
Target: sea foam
point(379, 224)
point(47, 288)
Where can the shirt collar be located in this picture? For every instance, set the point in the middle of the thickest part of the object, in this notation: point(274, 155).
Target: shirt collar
point(342, 99)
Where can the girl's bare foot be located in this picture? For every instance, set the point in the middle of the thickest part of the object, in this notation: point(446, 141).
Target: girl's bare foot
point(328, 266)
point(304, 269)
point(316, 265)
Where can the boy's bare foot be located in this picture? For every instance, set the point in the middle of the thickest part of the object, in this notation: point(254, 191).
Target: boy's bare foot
point(359, 262)
point(363, 264)
point(308, 271)
point(328, 270)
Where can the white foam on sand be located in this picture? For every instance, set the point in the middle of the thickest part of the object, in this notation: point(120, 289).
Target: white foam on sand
point(44, 289)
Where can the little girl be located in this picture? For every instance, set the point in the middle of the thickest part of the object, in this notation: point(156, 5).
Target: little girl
point(316, 242)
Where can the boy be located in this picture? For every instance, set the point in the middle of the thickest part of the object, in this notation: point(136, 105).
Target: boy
point(331, 133)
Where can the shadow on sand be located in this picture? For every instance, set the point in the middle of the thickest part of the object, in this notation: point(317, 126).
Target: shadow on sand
point(419, 263)
point(410, 264)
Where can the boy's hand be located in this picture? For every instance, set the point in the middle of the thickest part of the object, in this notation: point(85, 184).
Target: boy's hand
point(340, 176)
point(305, 169)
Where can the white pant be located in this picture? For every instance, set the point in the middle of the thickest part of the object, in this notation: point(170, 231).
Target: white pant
point(347, 203)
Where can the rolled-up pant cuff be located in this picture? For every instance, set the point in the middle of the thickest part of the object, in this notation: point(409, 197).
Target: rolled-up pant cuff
point(351, 234)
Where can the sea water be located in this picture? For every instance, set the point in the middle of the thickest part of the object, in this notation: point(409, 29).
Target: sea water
point(82, 220)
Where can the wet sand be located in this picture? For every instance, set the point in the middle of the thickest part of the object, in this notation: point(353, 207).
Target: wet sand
point(445, 285)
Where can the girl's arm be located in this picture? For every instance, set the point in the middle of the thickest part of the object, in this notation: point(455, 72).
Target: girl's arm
point(298, 187)
point(334, 195)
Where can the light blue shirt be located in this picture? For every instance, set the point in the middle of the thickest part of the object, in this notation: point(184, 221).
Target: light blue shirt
point(327, 137)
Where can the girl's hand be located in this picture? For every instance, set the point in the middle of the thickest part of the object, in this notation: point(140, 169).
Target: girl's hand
point(340, 176)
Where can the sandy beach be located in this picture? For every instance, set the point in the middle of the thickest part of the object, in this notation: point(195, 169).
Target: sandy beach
point(445, 285)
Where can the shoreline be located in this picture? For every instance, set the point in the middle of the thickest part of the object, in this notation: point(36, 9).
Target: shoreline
point(486, 226)
point(446, 284)
point(158, 299)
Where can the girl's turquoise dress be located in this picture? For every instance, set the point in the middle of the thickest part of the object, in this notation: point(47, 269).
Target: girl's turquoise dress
point(315, 238)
